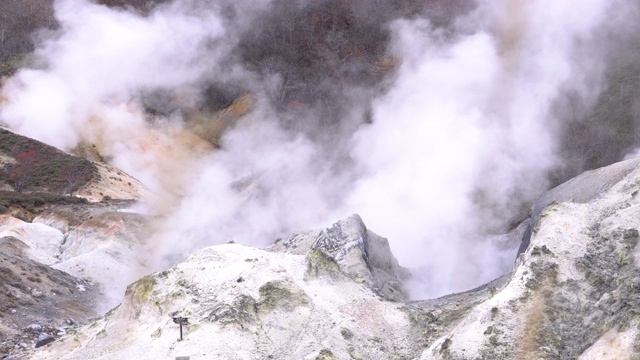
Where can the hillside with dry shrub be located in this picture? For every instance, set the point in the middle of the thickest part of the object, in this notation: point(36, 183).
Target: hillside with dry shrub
point(30, 166)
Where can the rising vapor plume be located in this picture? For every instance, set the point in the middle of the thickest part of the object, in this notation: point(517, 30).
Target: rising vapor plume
point(438, 122)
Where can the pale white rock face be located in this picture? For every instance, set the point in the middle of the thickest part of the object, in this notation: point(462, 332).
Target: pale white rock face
point(574, 292)
point(245, 303)
point(108, 250)
point(60, 223)
point(105, 249)
point(39, 242)
point(587, 186)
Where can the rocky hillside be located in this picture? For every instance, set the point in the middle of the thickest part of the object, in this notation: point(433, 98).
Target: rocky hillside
point(33, 174)
point(574, 292)
point(338, 293)
point(30, 166)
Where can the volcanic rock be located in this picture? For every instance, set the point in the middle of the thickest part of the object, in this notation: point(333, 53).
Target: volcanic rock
point(44, 339)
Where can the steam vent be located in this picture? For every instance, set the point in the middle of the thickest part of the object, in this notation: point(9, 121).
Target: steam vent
point(319, 179)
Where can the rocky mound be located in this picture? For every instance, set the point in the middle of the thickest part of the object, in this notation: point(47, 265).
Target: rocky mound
point(320, 300)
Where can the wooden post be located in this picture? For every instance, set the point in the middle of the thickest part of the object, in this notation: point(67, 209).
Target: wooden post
point(181, 321)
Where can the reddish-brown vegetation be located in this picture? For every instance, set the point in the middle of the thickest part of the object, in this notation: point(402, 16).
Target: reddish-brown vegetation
point(40, 167)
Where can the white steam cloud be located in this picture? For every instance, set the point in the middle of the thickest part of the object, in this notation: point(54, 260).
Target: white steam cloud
point(101, 58)
point(466, 136)
point(463, 139)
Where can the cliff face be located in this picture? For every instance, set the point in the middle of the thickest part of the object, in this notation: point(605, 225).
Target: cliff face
point(337, 293)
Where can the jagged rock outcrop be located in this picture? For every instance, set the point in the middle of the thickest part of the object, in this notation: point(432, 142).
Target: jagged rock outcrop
point(359, 253)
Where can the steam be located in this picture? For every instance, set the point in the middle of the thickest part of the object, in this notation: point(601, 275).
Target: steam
point(466, 136)
point(462, 136)
point(100, 57)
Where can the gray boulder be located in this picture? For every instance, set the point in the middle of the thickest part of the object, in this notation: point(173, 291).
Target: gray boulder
point(44, 339)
